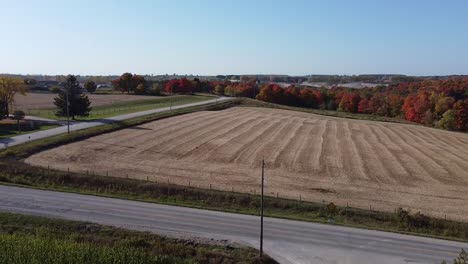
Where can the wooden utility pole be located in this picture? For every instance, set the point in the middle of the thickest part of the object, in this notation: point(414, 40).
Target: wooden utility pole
point(261, 212)
point(68, 111)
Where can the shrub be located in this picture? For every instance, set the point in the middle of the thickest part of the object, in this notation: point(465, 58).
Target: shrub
point(54, 89)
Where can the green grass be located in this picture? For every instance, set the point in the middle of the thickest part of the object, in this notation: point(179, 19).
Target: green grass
point(7, 133)
point(121, 108)
point(13, 171)
point(31, 239)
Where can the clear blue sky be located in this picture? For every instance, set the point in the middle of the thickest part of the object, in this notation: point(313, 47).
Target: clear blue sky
point(209, 37)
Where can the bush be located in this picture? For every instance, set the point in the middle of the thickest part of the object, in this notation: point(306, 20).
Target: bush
point(156, 89)
point(55, 89)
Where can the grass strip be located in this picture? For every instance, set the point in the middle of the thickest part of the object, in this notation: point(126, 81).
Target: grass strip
point(18, 173)
point(121, 108)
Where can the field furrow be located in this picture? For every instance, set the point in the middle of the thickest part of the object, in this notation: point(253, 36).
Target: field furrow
point(313, 157)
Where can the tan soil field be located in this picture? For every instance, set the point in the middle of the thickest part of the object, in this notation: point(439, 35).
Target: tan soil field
point(312, 157)
point(32, 101)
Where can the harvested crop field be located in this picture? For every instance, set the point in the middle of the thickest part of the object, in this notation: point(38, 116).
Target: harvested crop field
point(312, 157)
point(32, 101)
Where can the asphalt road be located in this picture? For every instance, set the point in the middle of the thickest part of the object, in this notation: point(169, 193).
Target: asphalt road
point(8, 142)
point(286, 241)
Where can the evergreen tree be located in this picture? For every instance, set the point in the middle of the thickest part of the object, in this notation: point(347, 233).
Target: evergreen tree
point(79, 104)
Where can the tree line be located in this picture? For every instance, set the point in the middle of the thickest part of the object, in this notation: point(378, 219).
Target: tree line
point(436, 103)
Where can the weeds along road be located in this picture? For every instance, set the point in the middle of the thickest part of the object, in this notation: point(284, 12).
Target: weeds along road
point(286, 241)
point(8, 142)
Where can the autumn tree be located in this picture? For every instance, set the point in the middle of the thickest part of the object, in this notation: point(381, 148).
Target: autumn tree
point(9, 87)
point(156, 89)
point(448, 120)
point(72, 94)
point(461, 115)
point(363, 106)
point(90, 86)
point(219, 89)
point(179, 86)
point(128, 82)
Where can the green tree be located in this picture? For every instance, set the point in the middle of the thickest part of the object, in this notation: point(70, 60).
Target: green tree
point(156, 89)
point(18, 115)
point(219, 89)
point(90, 86)
point(140, 89)
point(78, 102)
point(448, 120)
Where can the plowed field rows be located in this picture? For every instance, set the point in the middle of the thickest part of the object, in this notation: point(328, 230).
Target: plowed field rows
point(314, 157)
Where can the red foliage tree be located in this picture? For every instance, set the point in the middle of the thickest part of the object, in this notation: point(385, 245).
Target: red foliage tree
point(179, 86)
point(461, 115)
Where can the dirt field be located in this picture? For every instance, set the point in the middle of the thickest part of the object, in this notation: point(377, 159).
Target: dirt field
point(317, 158)
point(46, 100)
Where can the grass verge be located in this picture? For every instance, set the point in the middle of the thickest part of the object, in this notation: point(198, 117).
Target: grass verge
point(32, 239)
point(8, 133)
point(18, 173)
point(122, 108)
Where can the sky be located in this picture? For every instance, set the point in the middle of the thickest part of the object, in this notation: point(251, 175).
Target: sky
point(211, 37)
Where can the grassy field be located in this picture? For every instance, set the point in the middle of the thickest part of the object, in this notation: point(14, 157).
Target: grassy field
point(7, 132)
point(31, 239)
point(121, 108)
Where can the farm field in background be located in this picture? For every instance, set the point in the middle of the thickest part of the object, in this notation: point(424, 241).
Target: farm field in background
point(32, 101)
point(308, 157)
point(103, 106)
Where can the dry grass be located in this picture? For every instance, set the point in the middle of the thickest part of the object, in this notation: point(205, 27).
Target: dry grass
point(314, 157)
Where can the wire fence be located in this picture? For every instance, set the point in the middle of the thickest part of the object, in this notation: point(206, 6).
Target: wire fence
point(345, 207)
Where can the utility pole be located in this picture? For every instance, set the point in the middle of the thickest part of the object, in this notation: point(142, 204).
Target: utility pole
point(68, 110)
point(172, 95)
point(261, 212)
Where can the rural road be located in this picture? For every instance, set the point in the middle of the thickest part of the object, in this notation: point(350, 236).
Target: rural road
point(8, 142)
point(286, 241)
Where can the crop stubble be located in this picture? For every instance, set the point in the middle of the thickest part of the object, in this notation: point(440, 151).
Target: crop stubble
point(385, 165)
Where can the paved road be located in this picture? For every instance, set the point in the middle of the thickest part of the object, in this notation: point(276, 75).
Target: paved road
point(8, 142)
point(286, 241)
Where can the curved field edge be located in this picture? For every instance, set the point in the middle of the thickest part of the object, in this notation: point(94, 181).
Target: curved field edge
point(26, 239)
point(17, 172)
